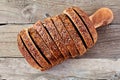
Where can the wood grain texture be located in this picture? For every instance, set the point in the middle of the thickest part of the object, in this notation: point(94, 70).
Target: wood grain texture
point(73, 69)
point(8, 38)
point(29, 11)
point(107, 46)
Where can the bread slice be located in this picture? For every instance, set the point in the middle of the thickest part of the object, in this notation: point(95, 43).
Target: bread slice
point(68, 42)
point(49, 41)
point(50, 27)
point(33, 49)
point(87, 22)
point(42, 47)
point(26, 53)
point(73, 33)
point(29, 58)
point(85, 36)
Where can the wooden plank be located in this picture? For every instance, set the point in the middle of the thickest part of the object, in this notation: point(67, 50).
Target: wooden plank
point(72, 69)
point(108, 45)
point(8, 40)
point(29, 11)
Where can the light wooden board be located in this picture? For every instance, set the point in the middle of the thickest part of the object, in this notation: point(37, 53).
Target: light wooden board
point(73, 69)
point(29, 11)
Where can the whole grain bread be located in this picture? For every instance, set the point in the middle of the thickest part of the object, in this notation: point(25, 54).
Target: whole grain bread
point(80, 27)
point(29, 58)
point(33, 49)
point(70, 28)
point(68, 42)
point(48, 23)
point(48, 41)
point(42, 47)
point(87, 22)
point(26, 53)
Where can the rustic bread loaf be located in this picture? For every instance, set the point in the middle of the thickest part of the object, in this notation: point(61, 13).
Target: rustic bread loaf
point(42, 47)
point(49, 25)
point(87, 40)
point(49, 41)
point(68, 42)
point(87, 22)
point(33, 49)
point(27, 55)
point(61, 37)
point(73, 33)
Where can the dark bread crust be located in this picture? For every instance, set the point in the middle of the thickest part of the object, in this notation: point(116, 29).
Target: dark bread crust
point(88, 22)
point(80, 26)
point(78, 42)
point(68, 42)
point(42, 46)
point(27, 55)
point(33, 49)
point(56, 37)
point(49, 42)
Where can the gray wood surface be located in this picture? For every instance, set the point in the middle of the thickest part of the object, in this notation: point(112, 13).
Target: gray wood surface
point(29, 11)
point(100, 62)
point(108, 45)
point(83, 69)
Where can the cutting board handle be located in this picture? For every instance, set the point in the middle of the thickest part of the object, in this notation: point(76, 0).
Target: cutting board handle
point(102, 17)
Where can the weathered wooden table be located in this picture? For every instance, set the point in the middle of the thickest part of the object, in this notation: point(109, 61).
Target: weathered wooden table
point(102, 62)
